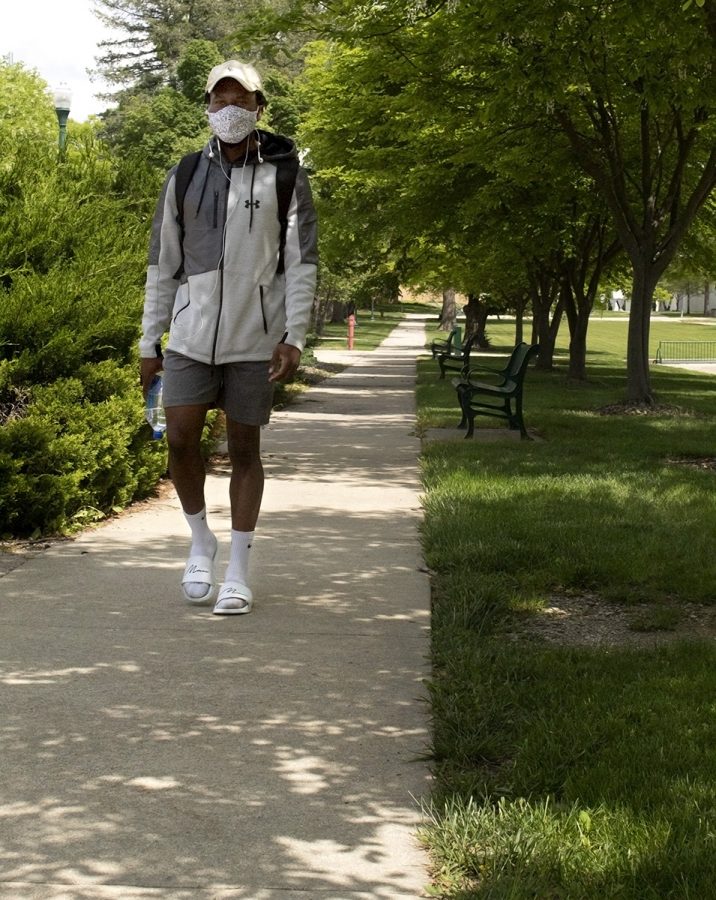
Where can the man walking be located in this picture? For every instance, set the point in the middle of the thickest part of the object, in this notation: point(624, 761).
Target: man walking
point(232, 275)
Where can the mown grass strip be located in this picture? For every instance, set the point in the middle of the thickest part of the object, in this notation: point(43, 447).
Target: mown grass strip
point(568, 770)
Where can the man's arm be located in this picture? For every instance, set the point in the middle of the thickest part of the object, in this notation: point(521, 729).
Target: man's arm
point(285, 360)
point(149, 367)
point(165, 258)
point(301, 264)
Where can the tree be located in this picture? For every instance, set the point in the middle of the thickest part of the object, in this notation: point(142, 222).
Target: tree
point(631, 85)
point(461, 178)
point(153, 33)
point(27, 115)
point(197, 59)
point(156, 130)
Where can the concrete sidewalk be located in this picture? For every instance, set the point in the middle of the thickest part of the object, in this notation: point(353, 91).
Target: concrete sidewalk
point(149, 749)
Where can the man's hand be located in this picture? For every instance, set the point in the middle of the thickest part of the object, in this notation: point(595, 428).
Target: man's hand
point(284, 362)
point(149, 367)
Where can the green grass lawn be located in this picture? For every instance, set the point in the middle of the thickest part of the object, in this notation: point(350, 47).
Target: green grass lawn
point(566, 770)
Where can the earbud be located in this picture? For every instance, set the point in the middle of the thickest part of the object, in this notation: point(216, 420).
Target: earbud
point(258, 148)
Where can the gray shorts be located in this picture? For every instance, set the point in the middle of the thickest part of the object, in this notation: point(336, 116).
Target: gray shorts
point(241, 389)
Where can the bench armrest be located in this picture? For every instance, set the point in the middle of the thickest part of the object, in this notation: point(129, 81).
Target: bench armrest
point(486, 369)
point(467, 376)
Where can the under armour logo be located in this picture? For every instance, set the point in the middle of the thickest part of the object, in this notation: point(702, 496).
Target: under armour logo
point(249, 203)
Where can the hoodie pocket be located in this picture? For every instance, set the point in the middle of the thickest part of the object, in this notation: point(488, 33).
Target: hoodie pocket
point(181, 302)
point(187, 317)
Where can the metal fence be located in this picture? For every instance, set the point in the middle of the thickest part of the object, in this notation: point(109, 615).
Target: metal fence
point(686, 351)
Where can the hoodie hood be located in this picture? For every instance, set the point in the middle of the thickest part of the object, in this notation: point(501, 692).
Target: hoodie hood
point(276, 146)
point(273, 147)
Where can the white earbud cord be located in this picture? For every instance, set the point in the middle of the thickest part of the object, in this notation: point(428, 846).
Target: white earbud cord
point(228, 214)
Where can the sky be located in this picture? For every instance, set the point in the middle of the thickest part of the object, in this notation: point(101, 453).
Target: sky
point(59, 39)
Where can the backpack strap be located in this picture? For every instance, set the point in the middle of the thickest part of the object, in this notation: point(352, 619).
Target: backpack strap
point(286, 171)
point(182, 179)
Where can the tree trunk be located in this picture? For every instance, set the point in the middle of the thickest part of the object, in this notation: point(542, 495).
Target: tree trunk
point(482, 339)
point(546, 334)
point(578, 305)
point(519, 320)
point(578, 323)
point(471, 314)
point(543, 292)
point(449, 310)
point(642, 292)
point(322, 302)
point(578, 347)
point(476, 313)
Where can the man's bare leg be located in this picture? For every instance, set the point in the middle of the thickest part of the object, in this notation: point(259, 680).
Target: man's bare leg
point(247, 474)
point(186, 465)
point(188, 472)
point(245, 491)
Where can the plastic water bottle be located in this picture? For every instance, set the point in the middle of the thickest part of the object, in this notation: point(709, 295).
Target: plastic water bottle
point(154, 409)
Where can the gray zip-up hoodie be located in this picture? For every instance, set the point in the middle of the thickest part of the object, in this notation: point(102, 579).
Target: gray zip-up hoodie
point(222, 299)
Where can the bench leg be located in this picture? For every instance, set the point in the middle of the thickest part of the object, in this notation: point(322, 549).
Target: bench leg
point(468, 416)
point(521, 422)
point(460, 393)
point(470, 425)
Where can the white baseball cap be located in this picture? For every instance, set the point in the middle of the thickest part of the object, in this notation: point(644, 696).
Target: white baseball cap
point(245, 74)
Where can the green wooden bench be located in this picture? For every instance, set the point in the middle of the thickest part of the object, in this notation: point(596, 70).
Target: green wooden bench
point(456, 360)
point(453, 342)
point(503, 399)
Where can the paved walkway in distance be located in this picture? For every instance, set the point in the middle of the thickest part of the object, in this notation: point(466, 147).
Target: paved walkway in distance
point(708, 367)
point(152, 750)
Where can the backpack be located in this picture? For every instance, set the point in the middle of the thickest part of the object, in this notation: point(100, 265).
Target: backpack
point(286, 171)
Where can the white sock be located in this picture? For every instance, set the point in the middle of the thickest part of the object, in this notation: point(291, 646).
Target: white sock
point(238, 568)
point(203, 543)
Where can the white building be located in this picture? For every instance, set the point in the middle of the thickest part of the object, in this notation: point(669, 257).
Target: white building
point(697, 301)
point(693, 300)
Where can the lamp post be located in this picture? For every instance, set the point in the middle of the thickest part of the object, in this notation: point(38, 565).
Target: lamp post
point(62, 97)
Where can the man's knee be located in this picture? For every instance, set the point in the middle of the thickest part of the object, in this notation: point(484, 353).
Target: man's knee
point(182, 442)
point(184, 428)
point(244, 442)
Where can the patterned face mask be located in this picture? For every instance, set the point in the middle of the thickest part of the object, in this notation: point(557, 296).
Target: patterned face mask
point(233, 123)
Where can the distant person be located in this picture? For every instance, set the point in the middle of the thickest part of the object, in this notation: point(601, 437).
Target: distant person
point(231, 277)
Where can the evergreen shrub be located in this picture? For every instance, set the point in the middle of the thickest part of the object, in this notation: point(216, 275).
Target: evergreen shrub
point(81, 445)
point(73, 238)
